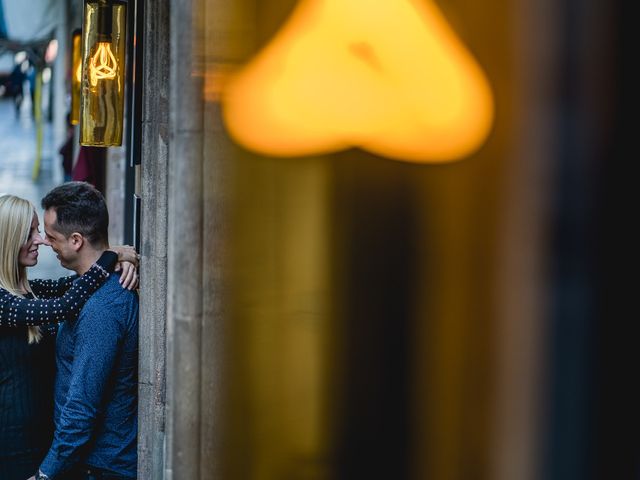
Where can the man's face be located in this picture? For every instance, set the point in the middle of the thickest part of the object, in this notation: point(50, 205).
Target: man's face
point(28, 256)
point(61, 245)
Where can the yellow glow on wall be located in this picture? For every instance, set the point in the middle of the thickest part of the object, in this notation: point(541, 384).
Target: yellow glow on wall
point(76, 77)
point(388, 76)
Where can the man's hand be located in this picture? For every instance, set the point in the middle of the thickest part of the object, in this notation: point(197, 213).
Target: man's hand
point(129, 276)
point(32, 478)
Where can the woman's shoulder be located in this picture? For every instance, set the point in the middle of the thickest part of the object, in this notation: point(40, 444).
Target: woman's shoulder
point(5, 294)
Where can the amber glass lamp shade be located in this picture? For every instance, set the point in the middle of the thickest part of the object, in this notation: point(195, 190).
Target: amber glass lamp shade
point(103, 67)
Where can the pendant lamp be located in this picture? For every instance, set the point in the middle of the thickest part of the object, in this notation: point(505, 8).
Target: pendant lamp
point(103, 61)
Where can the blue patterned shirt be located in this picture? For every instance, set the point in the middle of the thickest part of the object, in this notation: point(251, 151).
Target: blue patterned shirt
point(95, 410)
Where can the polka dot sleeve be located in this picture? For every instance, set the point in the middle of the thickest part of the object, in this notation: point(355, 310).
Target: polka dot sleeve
point(52, 288)
point(19, 311)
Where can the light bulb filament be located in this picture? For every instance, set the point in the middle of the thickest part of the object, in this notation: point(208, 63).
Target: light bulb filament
point(103, 64)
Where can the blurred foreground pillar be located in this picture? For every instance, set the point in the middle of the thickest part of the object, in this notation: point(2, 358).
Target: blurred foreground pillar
point(331, 317)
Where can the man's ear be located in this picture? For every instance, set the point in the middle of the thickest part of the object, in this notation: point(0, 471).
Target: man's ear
point(77, 240)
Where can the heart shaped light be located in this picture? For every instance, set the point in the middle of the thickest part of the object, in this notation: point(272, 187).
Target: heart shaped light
point(387, 76)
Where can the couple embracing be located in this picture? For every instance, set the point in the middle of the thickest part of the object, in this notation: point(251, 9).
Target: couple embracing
point(68, 347)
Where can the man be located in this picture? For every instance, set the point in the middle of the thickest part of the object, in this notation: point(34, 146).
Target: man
point(95, 411)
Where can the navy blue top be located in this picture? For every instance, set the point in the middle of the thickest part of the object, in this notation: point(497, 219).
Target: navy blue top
point(95, 412)
point(26, 401)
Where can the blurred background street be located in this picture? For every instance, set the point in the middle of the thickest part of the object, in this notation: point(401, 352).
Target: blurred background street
point(17, 153)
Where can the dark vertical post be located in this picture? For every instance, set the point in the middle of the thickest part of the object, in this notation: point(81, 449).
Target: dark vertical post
point(134, 75)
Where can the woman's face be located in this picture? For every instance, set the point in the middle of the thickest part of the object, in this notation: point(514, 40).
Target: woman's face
point(29, 251)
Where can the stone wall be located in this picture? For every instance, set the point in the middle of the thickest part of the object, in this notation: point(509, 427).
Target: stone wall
point(153, 272)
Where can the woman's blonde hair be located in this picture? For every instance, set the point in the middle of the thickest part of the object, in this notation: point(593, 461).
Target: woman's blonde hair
point(16, 215)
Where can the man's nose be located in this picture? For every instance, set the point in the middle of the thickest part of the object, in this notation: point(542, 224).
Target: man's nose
point(39, 240)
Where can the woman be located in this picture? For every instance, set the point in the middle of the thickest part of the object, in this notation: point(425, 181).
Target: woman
point(29, 313)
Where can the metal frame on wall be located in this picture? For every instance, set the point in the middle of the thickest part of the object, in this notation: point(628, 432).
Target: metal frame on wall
point(135, 24)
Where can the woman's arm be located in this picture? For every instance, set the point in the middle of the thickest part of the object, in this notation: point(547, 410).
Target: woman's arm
point(126, 253)
point(49, 330)
point(18, 311)
point(51, 288)
point(127, 264)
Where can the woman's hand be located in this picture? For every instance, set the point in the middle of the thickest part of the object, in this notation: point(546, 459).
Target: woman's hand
point(129, 276)
point(126, 253)
point(128, 261)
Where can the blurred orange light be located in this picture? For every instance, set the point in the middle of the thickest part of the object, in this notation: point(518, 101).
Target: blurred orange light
point(76, 77)
point(388, 76)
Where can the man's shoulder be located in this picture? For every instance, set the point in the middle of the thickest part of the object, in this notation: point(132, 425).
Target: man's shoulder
point(112, 290)
point(111, 297)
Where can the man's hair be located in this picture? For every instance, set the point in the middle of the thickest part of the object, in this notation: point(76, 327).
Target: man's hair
point(80, 208)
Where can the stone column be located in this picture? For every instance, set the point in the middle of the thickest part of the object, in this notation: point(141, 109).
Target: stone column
point(153, 271)
point(184, 244)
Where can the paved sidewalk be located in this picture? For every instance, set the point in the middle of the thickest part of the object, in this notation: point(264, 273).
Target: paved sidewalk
point(17, 153)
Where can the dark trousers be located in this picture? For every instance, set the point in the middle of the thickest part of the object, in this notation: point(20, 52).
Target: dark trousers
point(17, 465)
point(85, 472)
